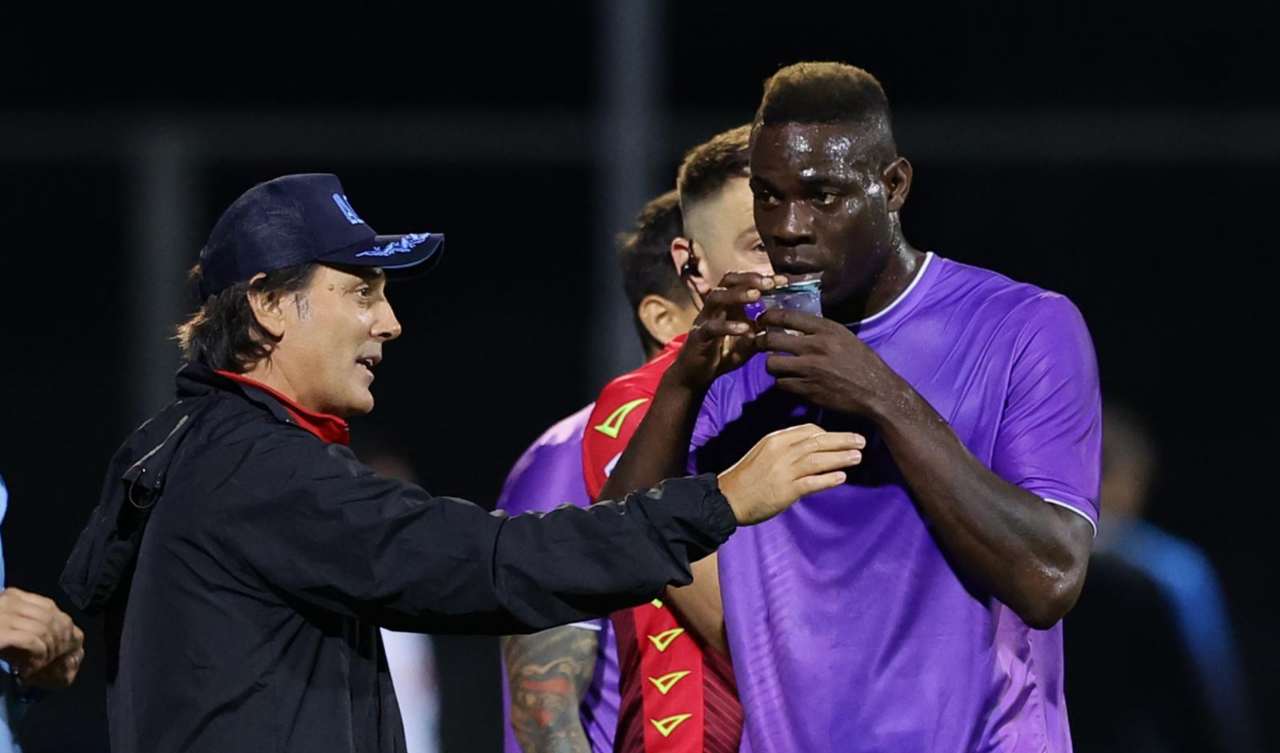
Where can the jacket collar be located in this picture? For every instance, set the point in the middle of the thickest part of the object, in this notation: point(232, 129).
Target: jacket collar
point(196, 379)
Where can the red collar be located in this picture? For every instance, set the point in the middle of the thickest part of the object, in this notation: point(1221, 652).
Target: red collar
point(670, 350)
point(327, 427)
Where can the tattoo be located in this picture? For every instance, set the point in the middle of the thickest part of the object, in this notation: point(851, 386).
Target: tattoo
point(548, 673)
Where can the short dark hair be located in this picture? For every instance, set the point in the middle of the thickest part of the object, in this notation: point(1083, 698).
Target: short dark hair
point(827, 93)
point(708, 167)
point(224, 334)
point(644, 255)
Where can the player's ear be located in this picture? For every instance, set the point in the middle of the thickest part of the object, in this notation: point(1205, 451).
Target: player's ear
point(897, 182)
point(688, 266)
point(663, 318)
point(266, 307)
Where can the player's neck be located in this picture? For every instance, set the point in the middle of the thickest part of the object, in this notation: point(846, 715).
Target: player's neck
point(900, 267)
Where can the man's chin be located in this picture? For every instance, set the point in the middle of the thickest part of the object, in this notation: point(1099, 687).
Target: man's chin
point(359, 405)
point(363, 407)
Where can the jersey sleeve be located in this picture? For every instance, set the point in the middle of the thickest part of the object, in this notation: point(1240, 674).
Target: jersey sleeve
point(619, 410)
point(1050, 436)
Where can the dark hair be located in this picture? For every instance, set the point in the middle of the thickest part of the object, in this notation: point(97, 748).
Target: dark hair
point(224, 333)
point(644, 255)
point(827, 93)
point(708, 167)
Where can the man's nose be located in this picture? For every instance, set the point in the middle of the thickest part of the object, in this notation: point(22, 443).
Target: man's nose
point(387, 326)
point(796, 227)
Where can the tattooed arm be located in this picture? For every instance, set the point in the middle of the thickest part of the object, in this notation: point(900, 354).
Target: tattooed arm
point(548, 673)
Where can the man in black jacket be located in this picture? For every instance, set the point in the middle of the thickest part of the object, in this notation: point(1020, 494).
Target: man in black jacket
point(245, 559)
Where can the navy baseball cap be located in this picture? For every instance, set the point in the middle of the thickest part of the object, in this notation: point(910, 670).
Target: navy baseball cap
point(300, 219)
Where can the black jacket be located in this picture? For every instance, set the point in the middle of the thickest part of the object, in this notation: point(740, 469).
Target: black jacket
point(245, 567)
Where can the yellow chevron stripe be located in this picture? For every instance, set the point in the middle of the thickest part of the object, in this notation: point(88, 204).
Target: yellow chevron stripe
point(667, 681)
point(612, 425)
point(663, 639)
point(668, 725)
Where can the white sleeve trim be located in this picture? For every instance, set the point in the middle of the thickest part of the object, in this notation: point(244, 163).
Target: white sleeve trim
point(596, 626)
point(1092, 525)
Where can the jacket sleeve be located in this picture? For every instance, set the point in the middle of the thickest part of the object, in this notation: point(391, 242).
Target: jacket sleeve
point(339, 537)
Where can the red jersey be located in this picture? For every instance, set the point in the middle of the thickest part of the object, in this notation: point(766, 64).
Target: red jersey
point(678, 696)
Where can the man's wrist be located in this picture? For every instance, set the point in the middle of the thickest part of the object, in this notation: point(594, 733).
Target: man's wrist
point(723, 516)
point(898, 405)
point(676, 384)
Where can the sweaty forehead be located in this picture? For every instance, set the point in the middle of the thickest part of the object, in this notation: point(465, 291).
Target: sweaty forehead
point(812, 149)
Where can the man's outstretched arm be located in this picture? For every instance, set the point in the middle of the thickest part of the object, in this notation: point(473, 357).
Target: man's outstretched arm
point(479, 573)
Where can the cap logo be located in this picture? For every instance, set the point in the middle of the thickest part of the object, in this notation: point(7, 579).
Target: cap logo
point(399, 246)
point(347, 211)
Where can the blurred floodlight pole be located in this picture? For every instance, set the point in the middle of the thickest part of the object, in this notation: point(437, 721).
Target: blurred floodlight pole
point(630, 124)
point(162, 248)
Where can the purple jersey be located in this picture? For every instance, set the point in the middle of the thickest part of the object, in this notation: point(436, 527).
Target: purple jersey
point(547, 475)
point(848, 628)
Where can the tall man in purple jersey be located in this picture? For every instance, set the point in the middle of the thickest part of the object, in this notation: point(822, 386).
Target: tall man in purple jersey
point(568, 697)
point(915, 607)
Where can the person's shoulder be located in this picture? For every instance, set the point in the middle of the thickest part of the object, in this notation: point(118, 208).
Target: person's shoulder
point(549, 472)
point(639, 382)
point(957, 279)
point(210, 451)
point(989, 294)
point(185, 417)
point(623, 395)
point(566, 430)
point(564, 437)
point(255, 435)
point(233, 440)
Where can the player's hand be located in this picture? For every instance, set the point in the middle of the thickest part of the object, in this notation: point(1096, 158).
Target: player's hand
point(825, 364)
point(34, 632)
point(59, 673)
point(785, 466)
point(722, 338)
